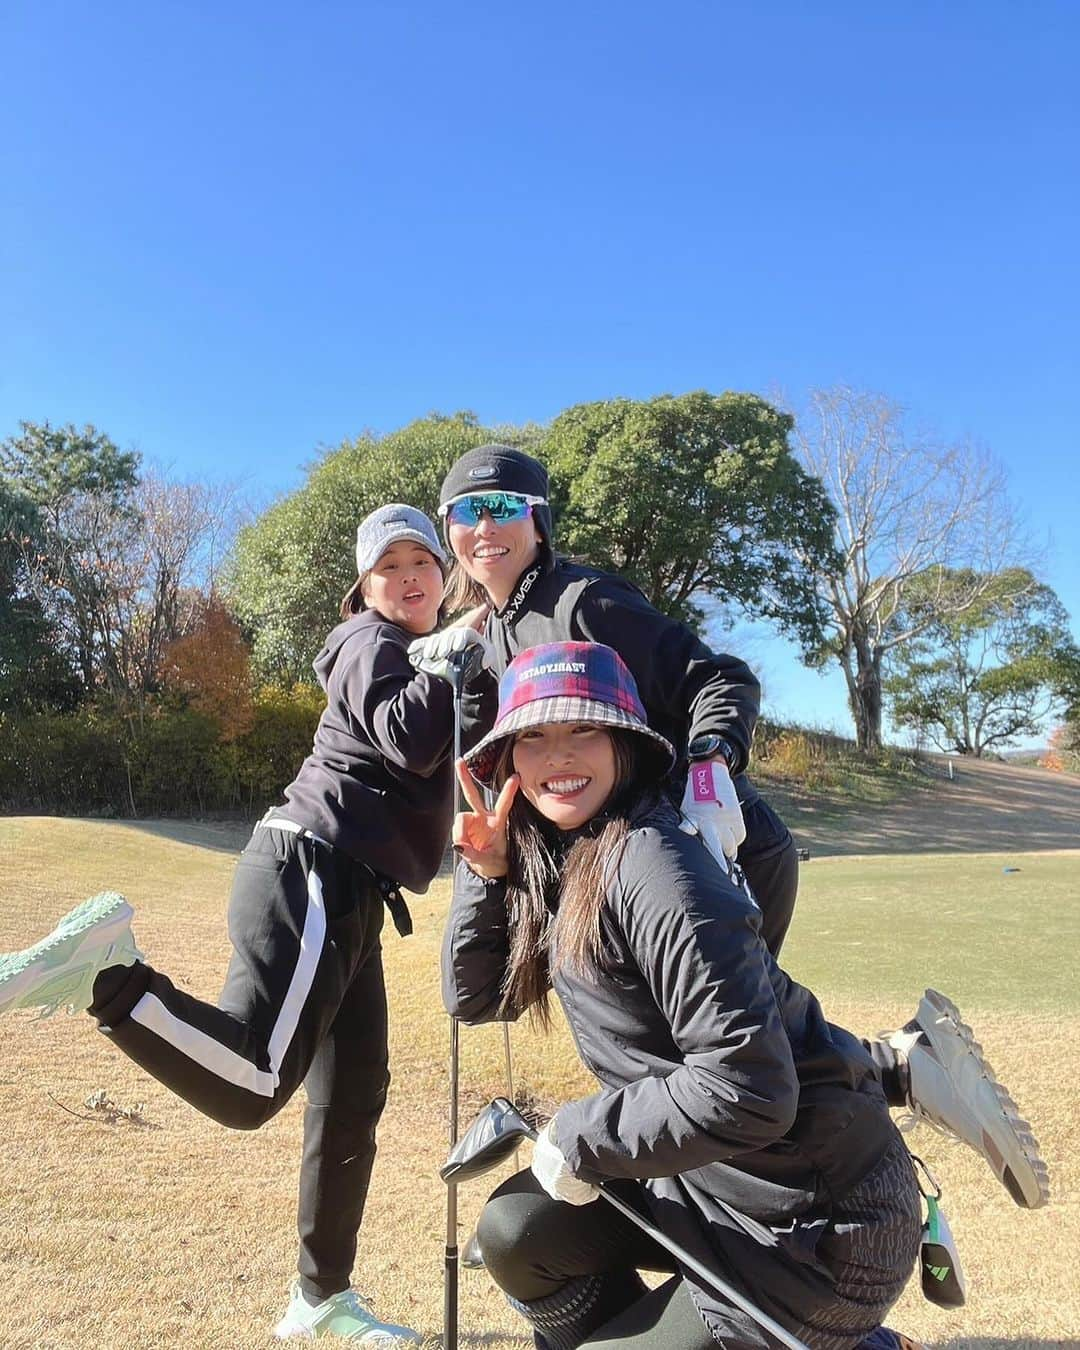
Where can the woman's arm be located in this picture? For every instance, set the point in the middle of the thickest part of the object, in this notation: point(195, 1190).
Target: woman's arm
point(695, 939)
point(406, 714)
point(675, 672)
point(476, 945)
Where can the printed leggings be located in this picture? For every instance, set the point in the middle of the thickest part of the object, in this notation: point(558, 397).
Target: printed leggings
point(304, 1001)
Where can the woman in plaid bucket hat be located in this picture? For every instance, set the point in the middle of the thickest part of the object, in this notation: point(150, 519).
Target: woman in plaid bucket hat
point(749, 1129)
point(498, 525)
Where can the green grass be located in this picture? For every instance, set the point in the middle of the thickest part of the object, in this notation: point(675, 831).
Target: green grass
point(878, 928)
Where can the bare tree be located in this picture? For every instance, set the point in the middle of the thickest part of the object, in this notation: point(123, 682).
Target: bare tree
point(162, 570)
point(120, 560)
point(907, 506)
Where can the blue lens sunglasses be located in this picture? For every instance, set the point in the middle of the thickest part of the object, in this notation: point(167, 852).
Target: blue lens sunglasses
point(502, 507)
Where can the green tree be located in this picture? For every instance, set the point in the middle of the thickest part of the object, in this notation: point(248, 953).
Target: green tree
point(291, 567)
point(79, 488)
point(699, 500)
point(980, 678)
point(33, 671)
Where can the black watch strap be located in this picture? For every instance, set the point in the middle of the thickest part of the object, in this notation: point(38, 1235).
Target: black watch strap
point(708, 746)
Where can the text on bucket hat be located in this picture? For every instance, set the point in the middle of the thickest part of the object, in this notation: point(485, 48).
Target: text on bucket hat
point(565, 682)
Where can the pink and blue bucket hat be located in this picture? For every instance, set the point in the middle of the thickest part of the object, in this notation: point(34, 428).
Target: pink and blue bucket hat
point(565, 682)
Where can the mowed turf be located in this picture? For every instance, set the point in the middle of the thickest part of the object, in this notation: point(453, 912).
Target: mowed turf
point(170, 1230)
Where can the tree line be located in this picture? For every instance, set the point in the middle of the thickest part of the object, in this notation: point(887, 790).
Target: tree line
point(130, 602)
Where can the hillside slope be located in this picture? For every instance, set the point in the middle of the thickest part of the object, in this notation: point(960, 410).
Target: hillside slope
point(988, 807)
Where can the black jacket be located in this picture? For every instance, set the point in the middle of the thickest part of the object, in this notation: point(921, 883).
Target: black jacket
point(378, 783)
point(686, 688)
point(722, 1082)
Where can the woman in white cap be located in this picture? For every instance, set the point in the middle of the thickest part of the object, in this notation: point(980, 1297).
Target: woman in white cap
point(304, 999)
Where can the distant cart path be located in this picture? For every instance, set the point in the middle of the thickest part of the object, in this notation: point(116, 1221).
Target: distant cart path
point(988, 808)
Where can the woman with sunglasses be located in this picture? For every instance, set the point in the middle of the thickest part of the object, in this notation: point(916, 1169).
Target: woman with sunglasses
point(497, 522)
point(750, 1130)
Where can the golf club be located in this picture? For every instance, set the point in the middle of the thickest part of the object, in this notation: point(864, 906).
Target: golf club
point(494, 1135)
point(463, 665)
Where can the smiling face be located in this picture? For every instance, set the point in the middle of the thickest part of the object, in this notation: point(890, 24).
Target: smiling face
point(405, 586)
point(496, 553)
point(567, 770)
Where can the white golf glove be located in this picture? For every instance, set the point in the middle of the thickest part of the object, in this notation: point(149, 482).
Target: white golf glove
point(550, 1169)
point(711, 804)
point(432, 653)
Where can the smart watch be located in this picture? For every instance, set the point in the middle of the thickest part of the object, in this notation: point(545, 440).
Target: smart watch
point(708, 746)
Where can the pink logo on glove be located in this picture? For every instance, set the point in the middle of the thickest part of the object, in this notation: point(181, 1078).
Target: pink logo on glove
point(701, 776)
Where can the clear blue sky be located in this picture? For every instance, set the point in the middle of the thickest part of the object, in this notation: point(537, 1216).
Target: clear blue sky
point(233, 233)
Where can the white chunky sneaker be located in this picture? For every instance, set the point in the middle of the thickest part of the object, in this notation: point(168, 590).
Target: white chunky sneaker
point(346, 1316)
point(59, 971)
point(952, 1088)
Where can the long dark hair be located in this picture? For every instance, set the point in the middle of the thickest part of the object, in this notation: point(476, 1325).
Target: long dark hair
point(462, 592)
point(545, 936)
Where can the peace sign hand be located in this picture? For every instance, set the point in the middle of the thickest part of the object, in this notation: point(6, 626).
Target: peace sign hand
point(480, 834)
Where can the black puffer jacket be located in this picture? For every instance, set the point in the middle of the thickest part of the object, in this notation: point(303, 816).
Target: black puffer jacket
point(723, 1084)
point(687, 689)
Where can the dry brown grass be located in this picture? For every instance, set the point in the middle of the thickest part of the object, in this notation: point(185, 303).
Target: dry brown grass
point(177, 1231)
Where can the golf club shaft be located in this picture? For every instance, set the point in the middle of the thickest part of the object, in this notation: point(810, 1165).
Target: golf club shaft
point(704, 1274)
point(450, 1267)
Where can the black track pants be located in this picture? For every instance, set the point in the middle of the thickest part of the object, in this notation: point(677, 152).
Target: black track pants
point(304, 1001)
point(768, 857)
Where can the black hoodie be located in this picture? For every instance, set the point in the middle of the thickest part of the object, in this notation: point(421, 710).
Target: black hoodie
point(378, 783)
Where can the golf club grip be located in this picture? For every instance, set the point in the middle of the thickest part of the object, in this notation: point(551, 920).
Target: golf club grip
point(463, 664)
point(450, 1300)
point(706, 1276)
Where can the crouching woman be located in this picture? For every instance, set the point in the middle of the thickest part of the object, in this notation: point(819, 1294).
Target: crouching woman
point(748, 1128)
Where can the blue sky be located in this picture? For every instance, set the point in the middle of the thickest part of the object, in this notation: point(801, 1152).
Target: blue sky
point(232, 234)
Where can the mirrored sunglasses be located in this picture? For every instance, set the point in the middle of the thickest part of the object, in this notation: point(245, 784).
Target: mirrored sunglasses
point(502, 507)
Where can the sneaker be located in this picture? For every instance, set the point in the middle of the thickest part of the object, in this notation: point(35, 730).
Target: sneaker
point(952, 1088)
point(346, 1315)
point(59, 971)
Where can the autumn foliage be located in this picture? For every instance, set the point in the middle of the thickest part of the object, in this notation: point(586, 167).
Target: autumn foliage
point(211, 668)
point(1063, 750)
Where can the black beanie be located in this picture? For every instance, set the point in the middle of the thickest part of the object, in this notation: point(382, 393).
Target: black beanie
point(500, 468)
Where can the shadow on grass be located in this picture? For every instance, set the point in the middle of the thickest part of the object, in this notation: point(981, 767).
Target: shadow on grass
point(1003, 1343)
point(220, 836)
point(988, 808)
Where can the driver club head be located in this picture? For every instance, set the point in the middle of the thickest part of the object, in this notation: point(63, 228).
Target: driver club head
point(490, 1139)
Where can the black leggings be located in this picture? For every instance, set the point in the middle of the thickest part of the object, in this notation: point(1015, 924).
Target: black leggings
point(574, 1268)
point(304, 1001)
point(533, 1245)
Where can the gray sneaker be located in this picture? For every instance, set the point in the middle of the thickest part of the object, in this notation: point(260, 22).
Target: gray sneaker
point(952, 1088)
point(59, 971)
point(345, 1315)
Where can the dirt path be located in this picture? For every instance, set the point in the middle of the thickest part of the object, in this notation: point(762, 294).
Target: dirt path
point(987, 808)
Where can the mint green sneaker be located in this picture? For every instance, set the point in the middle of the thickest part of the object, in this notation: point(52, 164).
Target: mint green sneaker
point(60, 970)
point(345, 1315)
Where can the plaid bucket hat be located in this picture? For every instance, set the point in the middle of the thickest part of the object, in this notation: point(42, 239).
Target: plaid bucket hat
point(566, 682)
